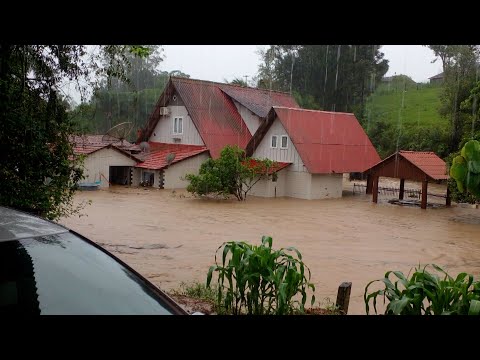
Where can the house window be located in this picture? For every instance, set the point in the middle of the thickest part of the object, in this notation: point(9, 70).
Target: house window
point(178, 125)
point(284, 143)
point(273, 143)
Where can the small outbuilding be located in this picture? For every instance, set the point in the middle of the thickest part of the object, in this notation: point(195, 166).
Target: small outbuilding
point(106, 162)
point(437, 79)
point(423, 166)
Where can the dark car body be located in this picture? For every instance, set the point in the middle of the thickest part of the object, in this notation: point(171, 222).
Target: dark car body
point(46, 268)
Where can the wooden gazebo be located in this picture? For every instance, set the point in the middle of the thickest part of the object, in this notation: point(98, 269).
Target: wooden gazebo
point(420, 166)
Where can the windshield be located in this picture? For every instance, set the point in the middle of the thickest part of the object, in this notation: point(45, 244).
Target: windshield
point(63, 274)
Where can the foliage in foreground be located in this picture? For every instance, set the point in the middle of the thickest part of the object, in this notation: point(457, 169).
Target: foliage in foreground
point(258, 280)
point(197, 290)
point(39, 171)
point(231, 174)
point(426, 293)
point(465, 169)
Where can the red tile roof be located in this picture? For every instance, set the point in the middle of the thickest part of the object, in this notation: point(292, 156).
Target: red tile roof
point(258, 101)
point(213, 111)
point(87, 144)
point(155, 159)
point(214, 115)
point(327, 142)
point(277, 167)
point(428, 162)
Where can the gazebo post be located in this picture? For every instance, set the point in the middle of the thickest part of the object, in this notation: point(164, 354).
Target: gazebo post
point(424, 193)
point(449, 198)
point(402, 188)
point(375, 189)
point(369, 184)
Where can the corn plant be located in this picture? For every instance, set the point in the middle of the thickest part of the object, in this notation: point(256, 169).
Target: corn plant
point(258, 280)
point(426, 293)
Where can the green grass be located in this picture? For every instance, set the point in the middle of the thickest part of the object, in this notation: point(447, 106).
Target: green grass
point(197, 290)
point(421, 105)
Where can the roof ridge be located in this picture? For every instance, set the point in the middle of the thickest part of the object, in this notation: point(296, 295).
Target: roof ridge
point(176, 144)
point(232, 85)
point(417, 152)
point(315, 111)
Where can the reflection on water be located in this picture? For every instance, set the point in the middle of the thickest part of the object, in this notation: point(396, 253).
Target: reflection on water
point(348, 239)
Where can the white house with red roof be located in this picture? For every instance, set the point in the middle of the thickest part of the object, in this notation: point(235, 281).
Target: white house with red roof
point(314, 149)
point(194, 120)
point(106, 162)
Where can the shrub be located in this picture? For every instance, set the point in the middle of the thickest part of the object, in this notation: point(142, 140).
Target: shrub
point(465, 169)
point(231, 174)
point(425, 293)
point(258, 280)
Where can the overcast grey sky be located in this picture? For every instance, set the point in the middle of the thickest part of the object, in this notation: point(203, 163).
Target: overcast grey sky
point(219, 62)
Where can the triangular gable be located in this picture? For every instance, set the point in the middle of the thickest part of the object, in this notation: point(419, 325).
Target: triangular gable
point(327, 142)
point(411, 165)
point(214, 114)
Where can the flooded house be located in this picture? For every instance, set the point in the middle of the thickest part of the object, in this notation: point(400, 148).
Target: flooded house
point(194, 120)
point(313, 148)
point(106, 162)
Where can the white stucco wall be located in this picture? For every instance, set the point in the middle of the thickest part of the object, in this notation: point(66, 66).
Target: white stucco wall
point(174, 173)
point(266, 187)
point(281, 155)
point(98, 163)
point(301, 185)
point(251, 120)
point(326, 186)
point(298, 184)
point(163, 132)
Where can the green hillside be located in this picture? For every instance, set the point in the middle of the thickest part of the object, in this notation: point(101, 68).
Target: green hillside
point(422, 127)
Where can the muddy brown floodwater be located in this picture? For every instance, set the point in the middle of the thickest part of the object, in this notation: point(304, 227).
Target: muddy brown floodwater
point(170, 237)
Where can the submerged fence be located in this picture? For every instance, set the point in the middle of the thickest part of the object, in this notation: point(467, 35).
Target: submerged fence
point(408, 193)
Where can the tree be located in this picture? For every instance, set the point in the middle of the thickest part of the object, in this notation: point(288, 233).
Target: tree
point(178, 73)
point(131, 99)
point(460, 65)
point(231, 174)
point(237, 81)
point(471, 106)
point(40, 171)
point(330, 77)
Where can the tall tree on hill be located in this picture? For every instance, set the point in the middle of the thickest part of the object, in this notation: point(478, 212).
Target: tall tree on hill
point(461, 67)
point(328, 77)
